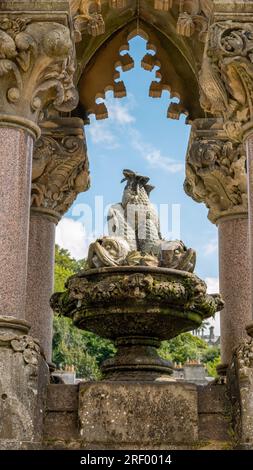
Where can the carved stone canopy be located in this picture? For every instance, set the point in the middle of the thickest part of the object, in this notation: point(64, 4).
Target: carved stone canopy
point(37, 62)
point(60, 166)
point(178, 54)
point(216, 170)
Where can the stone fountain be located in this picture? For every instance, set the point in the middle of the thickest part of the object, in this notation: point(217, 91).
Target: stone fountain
point(138, 290)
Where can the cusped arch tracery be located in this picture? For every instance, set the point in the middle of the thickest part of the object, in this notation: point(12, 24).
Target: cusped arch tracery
point(178, 54)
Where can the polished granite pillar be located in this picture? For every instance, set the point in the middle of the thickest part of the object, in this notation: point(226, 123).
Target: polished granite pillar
point(234, 273)
point(40, 279)
point(16, 148)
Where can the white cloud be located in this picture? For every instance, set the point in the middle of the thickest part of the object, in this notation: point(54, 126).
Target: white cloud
point(153, 155)
point(70, 234)
point(100, 133)
point(120, 113)
point(212, 285)
point(213, 288)
point(211, 247)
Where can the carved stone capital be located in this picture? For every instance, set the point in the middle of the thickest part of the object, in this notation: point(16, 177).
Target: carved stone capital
point(36, 68)
point(60, 166)
point(216, 171)
point(226, 77)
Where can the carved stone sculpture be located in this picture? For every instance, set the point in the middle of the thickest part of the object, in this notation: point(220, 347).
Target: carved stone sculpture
point(60, 166)
point(134, 233)
point(127, 297)
point(216, 170)
point(226, 75)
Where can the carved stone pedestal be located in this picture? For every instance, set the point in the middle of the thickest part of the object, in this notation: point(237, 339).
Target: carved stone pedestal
point(137, 307)
point(122, 415)
point(23, 382)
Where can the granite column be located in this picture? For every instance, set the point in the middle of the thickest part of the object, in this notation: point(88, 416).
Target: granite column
point(60, 172)
point(216, 175)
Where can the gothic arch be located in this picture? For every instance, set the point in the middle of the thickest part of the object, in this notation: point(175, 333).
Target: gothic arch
point(178, 53)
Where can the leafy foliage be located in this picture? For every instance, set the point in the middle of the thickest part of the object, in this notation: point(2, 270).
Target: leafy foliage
point(87, 351)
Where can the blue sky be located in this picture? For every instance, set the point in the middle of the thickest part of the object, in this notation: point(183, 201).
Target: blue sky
point(139, 136)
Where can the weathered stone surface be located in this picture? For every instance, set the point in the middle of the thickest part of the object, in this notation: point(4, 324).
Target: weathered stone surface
point(61, 426)
point(60, 166)
point(62, 397)
point(244, 368)
point(37, 67)
point(212, 399)
point(115, 414)
point(23, 377)
point(216, 170)
point(214, 409)
point(137, 307)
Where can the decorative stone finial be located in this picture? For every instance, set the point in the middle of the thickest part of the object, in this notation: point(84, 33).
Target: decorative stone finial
point(216, 171)
point(60, 166)
point(134, 233)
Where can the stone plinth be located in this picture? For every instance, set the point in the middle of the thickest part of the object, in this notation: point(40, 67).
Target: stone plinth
point(40, 279)
point(15, 179)
point(234, 283)
point(114, 415)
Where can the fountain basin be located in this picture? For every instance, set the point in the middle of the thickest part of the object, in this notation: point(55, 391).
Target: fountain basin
point(137, 308)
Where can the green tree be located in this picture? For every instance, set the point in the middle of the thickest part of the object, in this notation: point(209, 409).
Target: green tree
point(72, 346)
point(188, 347)
point(183, 347)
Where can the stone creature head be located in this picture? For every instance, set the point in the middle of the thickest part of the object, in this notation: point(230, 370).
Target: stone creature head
point(175, 255)
point(107, 251)
point(204, 154)
point(137, 189)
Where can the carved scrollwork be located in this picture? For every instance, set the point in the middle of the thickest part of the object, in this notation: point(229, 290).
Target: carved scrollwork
point(226, 75)
point(60, 166)
point(36, 68)
point(148, 63)
point(216, 174)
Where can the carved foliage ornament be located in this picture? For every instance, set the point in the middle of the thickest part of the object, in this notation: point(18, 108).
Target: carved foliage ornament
point(189, 292)
point(216, 175)
point(60, 167)
point(87, 18)
point(36, 67)
point(244, 356)
point(226, 75)
point(193, 15)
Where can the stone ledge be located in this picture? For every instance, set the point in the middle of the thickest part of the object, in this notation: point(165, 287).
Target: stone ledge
point(212, 399)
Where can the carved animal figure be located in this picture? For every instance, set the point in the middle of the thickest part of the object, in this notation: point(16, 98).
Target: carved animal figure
point(134, 233)
point(135, 218)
